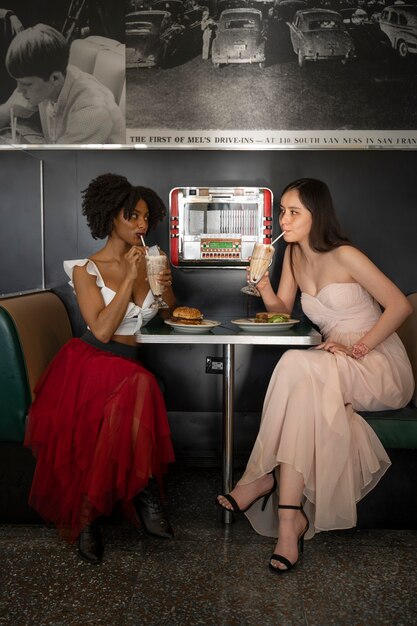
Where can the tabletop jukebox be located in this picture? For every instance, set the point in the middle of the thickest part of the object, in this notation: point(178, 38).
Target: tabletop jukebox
point(218, 226)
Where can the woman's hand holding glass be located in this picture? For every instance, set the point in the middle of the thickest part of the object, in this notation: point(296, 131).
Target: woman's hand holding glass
point(133, 259)
point(261, 284)
point(260, 260)
point(165, 278)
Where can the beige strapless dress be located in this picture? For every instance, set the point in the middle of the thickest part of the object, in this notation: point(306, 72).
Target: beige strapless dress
point(309, 418)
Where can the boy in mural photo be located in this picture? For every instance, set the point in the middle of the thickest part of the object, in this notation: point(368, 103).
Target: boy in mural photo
point(73, 106)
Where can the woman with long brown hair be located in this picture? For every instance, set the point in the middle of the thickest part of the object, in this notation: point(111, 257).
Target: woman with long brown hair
point(311, 441)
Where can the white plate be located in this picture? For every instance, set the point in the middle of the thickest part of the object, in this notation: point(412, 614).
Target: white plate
point(193, 329)
point(250, 325)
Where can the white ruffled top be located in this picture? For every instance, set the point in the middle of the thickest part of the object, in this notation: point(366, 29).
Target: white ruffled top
point(135, 316)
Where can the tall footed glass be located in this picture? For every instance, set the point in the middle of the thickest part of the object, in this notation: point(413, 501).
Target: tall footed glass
point(261, 259)
point(154, 265)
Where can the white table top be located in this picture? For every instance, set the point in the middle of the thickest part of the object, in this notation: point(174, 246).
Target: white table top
point(300, 335)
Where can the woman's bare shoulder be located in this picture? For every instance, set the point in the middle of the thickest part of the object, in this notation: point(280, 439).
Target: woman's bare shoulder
point(80, 272)
point(347, 253)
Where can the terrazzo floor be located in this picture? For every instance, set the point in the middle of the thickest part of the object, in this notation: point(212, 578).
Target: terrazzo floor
point(209, 574)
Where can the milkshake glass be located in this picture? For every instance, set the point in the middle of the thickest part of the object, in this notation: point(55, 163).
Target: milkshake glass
point(261, 259)
point(154, 265)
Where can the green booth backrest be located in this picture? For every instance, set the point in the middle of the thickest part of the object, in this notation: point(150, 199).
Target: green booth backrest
point(33, 328)
point(15, 395)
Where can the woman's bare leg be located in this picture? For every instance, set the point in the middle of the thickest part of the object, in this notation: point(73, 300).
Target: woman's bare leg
point(291, 522)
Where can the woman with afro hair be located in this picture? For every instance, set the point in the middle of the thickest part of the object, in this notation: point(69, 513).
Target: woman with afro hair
point(98, 426)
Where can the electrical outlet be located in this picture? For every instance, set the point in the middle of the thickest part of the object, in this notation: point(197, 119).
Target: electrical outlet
point(214, 365)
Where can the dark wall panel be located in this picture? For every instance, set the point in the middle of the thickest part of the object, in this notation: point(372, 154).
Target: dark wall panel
point(20, 223)
point(61, 212)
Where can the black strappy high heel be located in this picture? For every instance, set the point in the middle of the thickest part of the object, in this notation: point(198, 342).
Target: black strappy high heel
point(300, 542)
point(236, 507)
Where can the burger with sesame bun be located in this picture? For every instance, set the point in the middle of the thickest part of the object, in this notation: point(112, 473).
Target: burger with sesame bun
point(187, 315)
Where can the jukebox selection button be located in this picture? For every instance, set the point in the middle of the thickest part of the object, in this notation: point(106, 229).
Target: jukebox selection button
point(219, 256)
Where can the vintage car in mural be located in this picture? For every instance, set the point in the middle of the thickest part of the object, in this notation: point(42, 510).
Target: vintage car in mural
point(320, 34)
point(399, 23)
point(240, 38)
point(278, 45)
point(265, 6)
point(146, 33)
point(163, 38)
point(368, 38)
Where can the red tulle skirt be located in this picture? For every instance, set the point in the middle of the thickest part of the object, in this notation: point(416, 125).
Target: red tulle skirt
point(99, 429)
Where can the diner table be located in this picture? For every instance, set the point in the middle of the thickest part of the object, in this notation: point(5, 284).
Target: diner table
point(229, 335)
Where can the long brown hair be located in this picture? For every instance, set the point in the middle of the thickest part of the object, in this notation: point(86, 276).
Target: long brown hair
point(326, 233)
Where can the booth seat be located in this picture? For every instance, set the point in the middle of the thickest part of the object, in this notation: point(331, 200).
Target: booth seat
point(398, 429)
point(393, 502)
point(32, 330)
point(34, 327)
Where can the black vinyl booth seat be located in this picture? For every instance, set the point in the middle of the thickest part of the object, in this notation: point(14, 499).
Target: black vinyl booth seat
point(34, 327)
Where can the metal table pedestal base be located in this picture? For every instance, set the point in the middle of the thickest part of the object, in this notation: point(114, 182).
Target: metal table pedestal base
point(228, 395)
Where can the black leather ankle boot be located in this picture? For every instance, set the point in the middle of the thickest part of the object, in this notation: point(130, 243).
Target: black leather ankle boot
point(90, 545)
point(150, 511)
